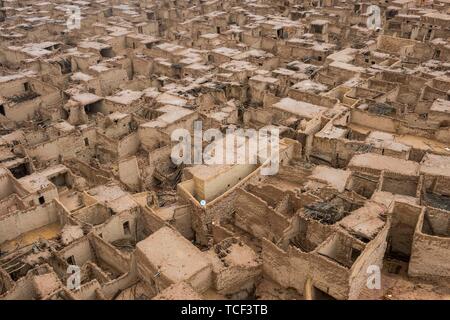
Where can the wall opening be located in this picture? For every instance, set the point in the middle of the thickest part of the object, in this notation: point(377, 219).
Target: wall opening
point(280, 33)
point(92, 108)
point(107, 53)
point(404, 221)
point(317, 294)
point(60, 180)
point(316, 28)
point(355, 254)
point(399, 184)
point(126, 228)
point(27, 87)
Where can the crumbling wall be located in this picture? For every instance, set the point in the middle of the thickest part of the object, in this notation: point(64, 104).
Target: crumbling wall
point(399, 184)
point(112, 257)
point(393, 45)
point(50, 152)
point(300, 268)
point(254, 216)
point(212, 187)
point(88, 291)
point(142, 66)
point(6, 186)
point(233, 276)
point(21, 290)
point(430, 253)
point(329, 276)
point(220, 233)
point(94, 176)
point(182, 221)
point(373, 121)
point(338, 248)
point(111, 288)
point(113, 230)
point(430, 256)
point(151, 138)
point(404, 220)
point(267, 192)
point(13, 87)
point(311, 233)
point(112, 80)
point(372, 255)
point(148, 222)
point(49, 94)
point(129, 173)
point(6, 283)
point(324, 149)
point(95, 214)
point(363, 183)
point(80, 250)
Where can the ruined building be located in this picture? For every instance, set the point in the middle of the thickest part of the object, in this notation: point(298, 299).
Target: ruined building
point(94, 207)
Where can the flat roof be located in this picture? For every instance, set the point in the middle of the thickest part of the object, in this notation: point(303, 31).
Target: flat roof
point(261, 78)
point(171, 114)
point(309, 86)
point(381, 162)
point(93, 45)
point(40, 180)
point(440, 105)
point(167, 98)
point(86, 98)
point(299, 108)
point(337, 178)
point(435, 165)
point(238, 65)
point(346, 66)
point(365, 221)
point(125, 97)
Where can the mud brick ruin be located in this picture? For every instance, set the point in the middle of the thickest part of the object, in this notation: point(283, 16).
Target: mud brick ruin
point(91, 93)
